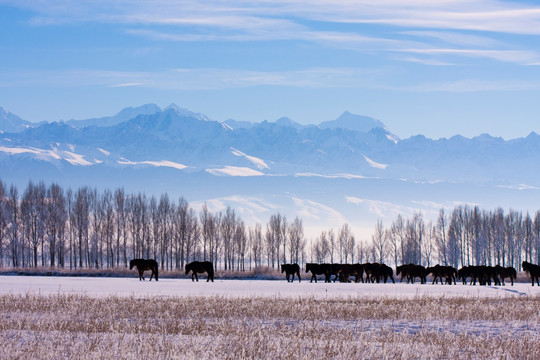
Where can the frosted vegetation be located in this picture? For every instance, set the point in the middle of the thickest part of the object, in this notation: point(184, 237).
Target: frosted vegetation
point(268, 327)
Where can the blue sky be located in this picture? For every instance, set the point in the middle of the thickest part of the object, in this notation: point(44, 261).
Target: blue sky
point(421, 66)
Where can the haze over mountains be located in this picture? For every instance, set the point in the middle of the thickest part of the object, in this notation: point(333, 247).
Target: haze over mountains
point(326, 173)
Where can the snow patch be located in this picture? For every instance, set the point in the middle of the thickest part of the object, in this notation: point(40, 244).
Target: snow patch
point(235, 171)
point(76, 159)
point(47, 155)
point(375, 164)
point(259, 163)
point(391, 138)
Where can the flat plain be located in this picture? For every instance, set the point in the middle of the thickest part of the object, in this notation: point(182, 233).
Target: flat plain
point(95, 318)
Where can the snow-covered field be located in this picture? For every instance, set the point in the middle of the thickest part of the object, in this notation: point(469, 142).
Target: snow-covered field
point(45, 317)
point(99, 286)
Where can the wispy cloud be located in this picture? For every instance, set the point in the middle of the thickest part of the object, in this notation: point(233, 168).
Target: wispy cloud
point(193, 79)
point(417, 26)
point(220, 79)
point(389, 211)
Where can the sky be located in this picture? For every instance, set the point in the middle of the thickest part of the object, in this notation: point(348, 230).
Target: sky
point(437, 68)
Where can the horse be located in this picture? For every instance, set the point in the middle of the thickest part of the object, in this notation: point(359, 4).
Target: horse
point(533, 270)
point(200, 267)
point(318, 269)
point(438, 271)
point(411, 271)
point(378, 272)
point(347, 270)
point(143, 265)
point(291, 269)
point(506, 272)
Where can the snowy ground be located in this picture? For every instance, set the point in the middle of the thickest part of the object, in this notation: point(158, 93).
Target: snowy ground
point(247, 288)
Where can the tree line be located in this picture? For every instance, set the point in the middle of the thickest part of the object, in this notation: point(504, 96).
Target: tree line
point(47, 225)
point(84, 228)
point(465, 236)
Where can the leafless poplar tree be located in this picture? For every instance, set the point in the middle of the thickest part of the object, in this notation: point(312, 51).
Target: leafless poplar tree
point(256, 242)
point(378, 240)
point(297, 243)
point(56, 224)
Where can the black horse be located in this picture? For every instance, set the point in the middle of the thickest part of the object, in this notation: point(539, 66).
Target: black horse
point(411, 271)
point(291, 269)
point(143, 265)
point(533, 270)
point(319, 269)
point(439, 272)
point(505, 272)
point(200, 267)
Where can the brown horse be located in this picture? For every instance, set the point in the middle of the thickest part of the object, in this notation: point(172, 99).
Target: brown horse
point(291, 269)
point(143, 265)
point(200, 267)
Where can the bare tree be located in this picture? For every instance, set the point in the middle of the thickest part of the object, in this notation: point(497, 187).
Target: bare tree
point(121, 225)
point(332, 242)
point(297, 243)
point(277, 225)
point(33, 217)
point(395, 238)
point(241, 242)
point(256, 241)
point(56, 224)
point(429, 244)
point(536, 231)
point(228, 228)
point(3, 220)
point(379, 240)
point(440, 238)
point(13, 212)
point(347, 242)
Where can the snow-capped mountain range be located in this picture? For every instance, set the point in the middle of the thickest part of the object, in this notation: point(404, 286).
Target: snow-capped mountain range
point(155, 150)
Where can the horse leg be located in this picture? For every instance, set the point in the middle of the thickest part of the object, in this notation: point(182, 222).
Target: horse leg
point(141, 275)
point(196, 276)
point(298, 273)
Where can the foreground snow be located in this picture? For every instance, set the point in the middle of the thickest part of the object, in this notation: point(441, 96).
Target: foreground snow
point(247, 288)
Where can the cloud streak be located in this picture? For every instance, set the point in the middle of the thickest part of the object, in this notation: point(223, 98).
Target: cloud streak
point(467, 25)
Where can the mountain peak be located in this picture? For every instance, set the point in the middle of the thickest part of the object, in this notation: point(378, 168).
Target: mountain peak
point(123, 115)
point(185, 112)
point(10, 122)
point(287, 122)
point(354, 122)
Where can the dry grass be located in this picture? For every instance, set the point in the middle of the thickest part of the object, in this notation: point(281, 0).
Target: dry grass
point(77, 326)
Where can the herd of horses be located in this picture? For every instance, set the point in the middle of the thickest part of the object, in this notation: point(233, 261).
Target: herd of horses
point(195, 267)
point(369, 272)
